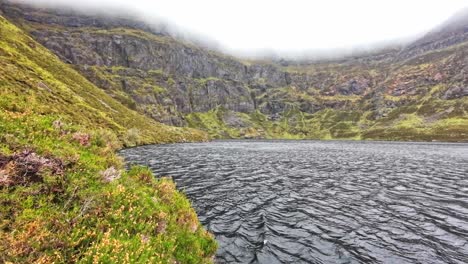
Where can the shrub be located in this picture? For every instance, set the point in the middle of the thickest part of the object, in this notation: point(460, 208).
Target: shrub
point(83, 138)
point(26, 167)
point(132, 138)
point(110, 174)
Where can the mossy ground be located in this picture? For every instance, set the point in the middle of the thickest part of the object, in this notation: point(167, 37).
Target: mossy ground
point(86, 209)
point(405, 123)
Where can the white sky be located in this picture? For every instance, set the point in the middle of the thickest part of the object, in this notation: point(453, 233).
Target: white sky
point(293, 25)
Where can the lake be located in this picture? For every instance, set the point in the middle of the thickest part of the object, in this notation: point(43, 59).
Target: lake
point(323, 201)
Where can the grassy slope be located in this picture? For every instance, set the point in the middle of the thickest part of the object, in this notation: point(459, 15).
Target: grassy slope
point(326, 124)
point(404, 123)
point(61, 197)
point(31, 73)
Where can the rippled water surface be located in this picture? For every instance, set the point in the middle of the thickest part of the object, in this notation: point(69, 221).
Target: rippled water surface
point(324, 202)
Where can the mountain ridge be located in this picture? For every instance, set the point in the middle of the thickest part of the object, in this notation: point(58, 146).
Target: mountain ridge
point(181, 84)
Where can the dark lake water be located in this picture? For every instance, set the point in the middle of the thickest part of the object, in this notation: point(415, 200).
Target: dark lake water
point(324, 201)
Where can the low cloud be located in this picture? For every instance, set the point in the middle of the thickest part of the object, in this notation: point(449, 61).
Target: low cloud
point(273, 29)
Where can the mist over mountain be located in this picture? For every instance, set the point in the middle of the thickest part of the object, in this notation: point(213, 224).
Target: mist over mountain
point(108, 15)
point(148, 16)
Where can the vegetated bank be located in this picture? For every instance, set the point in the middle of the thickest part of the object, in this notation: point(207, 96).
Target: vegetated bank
point(64, 196)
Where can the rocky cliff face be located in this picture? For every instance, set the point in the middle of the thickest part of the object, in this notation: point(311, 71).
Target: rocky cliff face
point(420, 89)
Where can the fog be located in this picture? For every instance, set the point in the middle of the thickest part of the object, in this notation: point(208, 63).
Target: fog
point(289, 29)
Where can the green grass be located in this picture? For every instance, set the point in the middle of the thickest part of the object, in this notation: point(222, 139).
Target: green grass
point(213, 123)
point(404, 123)
point(74, 202)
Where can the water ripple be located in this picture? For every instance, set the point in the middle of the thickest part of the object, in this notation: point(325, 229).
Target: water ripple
point(324, 202)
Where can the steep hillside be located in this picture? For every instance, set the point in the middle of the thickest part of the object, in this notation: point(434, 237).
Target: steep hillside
point(32, 76)
point(416, 93)
point(64, 196)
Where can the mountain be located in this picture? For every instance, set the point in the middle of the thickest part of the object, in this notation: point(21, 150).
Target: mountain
point(417, 92)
